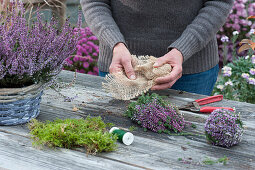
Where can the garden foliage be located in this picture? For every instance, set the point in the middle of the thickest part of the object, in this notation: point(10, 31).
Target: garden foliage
point(90, 133)
point(155, 114)
point(236, 23)
point(237, 81)
point(32, 54)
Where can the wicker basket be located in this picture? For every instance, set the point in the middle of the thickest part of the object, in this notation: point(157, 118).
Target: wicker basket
point(19, 105)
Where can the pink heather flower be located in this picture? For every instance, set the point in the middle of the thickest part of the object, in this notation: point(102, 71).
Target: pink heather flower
point(85, 64)
point(95, 54)
point(90, 72)
point(252, 71)
point(95, 69)
point(224, 39)
point(75, 58)
point(81, 71)
point(245, 75)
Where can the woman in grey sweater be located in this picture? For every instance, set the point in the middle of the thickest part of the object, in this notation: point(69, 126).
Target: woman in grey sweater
point(179, 32)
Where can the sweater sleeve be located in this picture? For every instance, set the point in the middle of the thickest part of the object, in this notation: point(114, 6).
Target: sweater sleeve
point(99, 18)
point(203, 28)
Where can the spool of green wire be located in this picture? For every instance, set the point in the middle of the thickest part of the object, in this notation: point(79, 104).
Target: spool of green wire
point(125, 137)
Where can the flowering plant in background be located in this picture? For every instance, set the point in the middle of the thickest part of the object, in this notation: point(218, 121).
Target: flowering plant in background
point(32, 54)
point(86, 54)
point(237, 81)
point(236, 24)
point(155, 114)
point(224, 128)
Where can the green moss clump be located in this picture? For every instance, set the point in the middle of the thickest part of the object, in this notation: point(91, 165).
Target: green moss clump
point(90, 133)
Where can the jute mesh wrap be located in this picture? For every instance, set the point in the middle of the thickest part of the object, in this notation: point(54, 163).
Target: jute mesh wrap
point(123, 88)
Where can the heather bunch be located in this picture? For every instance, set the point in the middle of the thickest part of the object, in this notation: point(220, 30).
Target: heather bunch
point(156, 115)
point(224, 128)
point(85, 57)
point(32, 54)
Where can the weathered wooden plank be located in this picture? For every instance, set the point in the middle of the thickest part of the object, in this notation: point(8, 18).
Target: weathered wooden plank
point(169, 141)
point(150, 150)
point(17, 153)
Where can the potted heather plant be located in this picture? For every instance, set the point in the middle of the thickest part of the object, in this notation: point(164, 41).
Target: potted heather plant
point(30, 57)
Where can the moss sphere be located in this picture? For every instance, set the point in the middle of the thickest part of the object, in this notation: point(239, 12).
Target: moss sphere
point(224, 128)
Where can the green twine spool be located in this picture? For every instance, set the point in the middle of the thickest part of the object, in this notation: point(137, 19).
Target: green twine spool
point(125, 137)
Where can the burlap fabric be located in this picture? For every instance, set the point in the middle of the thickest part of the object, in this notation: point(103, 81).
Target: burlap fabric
point(123, 88)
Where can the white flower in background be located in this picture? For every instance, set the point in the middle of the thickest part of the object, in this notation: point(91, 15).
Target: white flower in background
point(246, 57)
point(224, 39)
point(226, 71)
point(220, 86)
point(245, 75)
point(252, 81)
point(252, 71)
point(251, 31)
point(229, 83)
point(226, 68)
point(235, 33)
point(253, 59)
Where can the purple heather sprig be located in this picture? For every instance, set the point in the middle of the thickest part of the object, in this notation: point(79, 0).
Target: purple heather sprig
point(157, 118)
point(33, 53)
point(224, 128)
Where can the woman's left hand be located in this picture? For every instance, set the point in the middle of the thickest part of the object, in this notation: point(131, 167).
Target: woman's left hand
point(175, 59)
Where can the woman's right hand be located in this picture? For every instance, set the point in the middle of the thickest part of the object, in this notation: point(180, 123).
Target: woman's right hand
point(122, 60)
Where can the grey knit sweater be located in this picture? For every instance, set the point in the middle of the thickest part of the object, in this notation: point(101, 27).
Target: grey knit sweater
point(153, 27)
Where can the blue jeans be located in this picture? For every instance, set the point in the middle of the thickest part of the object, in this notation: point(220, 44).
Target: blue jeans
point(200, 83)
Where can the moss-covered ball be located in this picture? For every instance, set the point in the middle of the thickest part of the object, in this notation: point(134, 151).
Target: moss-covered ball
point(224, 128)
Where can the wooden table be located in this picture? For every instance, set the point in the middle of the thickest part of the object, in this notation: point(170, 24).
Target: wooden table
point(148, 151)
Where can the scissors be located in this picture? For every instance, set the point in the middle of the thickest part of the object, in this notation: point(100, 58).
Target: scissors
point(194, 106)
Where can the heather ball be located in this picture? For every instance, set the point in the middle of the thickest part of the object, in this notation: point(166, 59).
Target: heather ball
point(158, 118)
point(224, 128)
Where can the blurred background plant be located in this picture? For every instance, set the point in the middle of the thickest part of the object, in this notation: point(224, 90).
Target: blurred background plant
point(237, 79)
point(85, 57)
point(236, 28)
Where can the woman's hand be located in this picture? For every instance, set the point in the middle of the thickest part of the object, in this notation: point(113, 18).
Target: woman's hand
point(122, 60)
point(175, 59)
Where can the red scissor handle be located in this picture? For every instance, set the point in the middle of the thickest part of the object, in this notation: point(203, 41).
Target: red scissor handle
point(210, 99)
point(209, 109)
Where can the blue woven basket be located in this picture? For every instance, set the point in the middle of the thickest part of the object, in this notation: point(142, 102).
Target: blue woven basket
point(20, 105)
